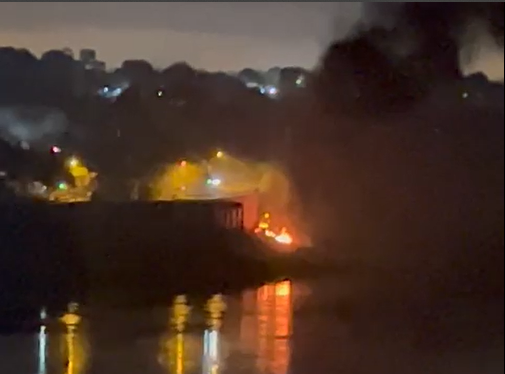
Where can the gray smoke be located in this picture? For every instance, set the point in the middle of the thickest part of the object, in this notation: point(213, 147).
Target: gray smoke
point(40, 127)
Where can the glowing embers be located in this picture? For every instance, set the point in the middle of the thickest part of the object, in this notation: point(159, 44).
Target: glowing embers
point(284, 237)
point(264, 229)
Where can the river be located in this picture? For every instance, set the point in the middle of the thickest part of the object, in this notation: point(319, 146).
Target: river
point(314, 327)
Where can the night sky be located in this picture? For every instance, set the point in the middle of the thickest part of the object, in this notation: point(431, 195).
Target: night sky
point(214, 36)
point(210, 35)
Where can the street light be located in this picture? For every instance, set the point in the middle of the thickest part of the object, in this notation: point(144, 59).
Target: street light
point(73, 162)
point(215, 182)
point(220, 154)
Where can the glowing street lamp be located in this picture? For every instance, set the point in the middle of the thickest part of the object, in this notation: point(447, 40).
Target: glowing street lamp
point(220, 154)
point(214, 182)
point(73, 162)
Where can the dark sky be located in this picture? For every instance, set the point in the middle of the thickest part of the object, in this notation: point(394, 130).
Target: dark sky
point(214, 36)
point(209, 35)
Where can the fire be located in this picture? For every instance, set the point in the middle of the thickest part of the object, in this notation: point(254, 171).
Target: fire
point(282, 236)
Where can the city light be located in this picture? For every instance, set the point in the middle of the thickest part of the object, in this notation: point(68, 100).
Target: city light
point(55, 149)
point(300, 82)
point(62, 186)
point(272, 91)
point(215, 182)
point(43, 314)
point(73, 162)
point(220, 154)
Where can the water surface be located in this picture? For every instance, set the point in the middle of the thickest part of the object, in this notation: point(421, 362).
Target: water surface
point(319, 327)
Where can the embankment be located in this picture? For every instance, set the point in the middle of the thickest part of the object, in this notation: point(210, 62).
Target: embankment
point(126, 253)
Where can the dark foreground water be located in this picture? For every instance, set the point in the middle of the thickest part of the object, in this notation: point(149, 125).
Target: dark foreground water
point(319, 327)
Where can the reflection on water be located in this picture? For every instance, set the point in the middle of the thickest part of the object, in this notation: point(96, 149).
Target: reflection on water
point(245, 335)
point(266, 326)
point(62, 348)
point(180, 313)
point(74, 347)
point(42, 351)
point(253, 334)
point(211, 358)
point(181, 351)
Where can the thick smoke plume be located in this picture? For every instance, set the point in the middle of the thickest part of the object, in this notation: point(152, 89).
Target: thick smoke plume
point(398, 53)
point(401, 171)
point(391, 152)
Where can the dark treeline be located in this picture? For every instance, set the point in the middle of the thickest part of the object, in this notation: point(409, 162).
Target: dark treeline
point(129, 122)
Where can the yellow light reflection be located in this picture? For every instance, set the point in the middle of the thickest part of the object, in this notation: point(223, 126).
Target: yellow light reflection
point(179, 352)
point(273, 327)
point(283, 289)
point(174, 355)
point(74, 342)
point(216, 307)
point(181, 312)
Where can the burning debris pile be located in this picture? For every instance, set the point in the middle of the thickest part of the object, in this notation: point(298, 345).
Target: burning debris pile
point(269, 232)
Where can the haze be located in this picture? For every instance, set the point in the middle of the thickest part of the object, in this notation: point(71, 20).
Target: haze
point(215, 36)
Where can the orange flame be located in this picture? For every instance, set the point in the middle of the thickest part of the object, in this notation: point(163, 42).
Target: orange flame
point(282, 237)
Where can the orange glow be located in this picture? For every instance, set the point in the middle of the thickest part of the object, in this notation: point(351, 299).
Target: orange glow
point(284, 237)
point(283, 289)
point(274, 327)
point(281, 237)
point(270, 234)
point(183, 163)
point(263, 225)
